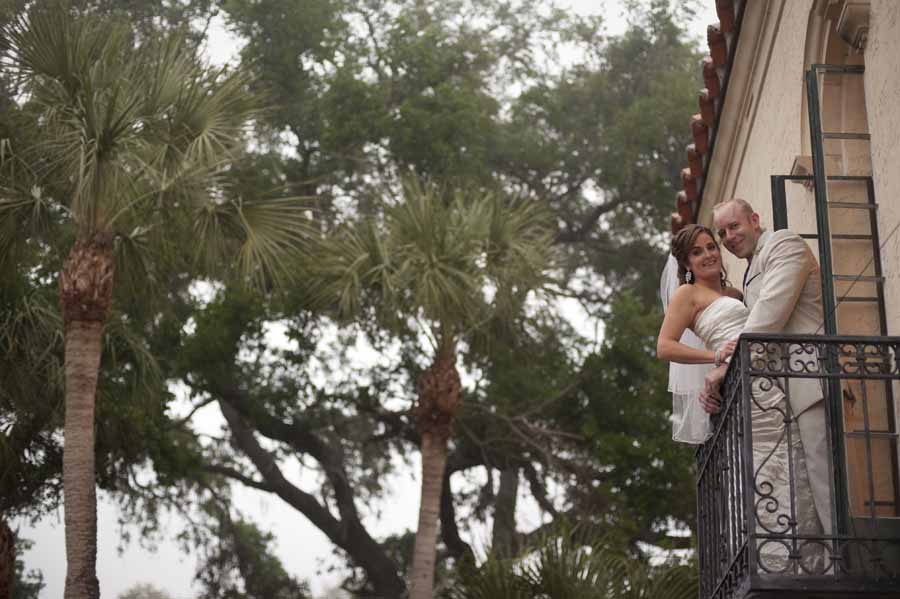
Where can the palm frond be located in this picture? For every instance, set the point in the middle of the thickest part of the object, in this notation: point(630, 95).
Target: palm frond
point(520, 241)
point(123, 125)
point(47, 44)
point(494, 579)
point(573, 561)
point(273, 231)
point(437, 246)
point(434, 254)
point(216, 112)
point(266, 235)
point(350, 264)
point(24, 213)
point(31, 345)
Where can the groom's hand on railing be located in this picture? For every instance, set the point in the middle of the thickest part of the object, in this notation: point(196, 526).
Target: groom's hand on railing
point(710, 402)
point(710, 397)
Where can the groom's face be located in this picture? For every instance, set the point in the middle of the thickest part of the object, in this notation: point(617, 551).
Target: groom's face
point(738, 230)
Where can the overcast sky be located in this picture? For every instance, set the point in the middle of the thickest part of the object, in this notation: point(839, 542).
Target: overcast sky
point(305, 551)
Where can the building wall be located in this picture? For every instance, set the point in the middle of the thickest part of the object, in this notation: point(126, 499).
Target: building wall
point(883, 102)
point(767, 131)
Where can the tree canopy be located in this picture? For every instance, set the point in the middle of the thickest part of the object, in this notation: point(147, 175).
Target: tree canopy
point(358, 97)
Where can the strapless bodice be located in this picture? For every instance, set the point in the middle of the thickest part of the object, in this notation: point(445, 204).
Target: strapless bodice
point(721, 321)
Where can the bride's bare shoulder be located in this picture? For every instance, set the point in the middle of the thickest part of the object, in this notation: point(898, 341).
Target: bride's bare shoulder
point(684, 295)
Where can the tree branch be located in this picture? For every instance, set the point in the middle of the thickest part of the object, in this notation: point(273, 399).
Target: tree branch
point(181, 422)
point(300, 438)
point(235, 475)
point(456, 547)
point(588, 222)
point(348, 533)
point(538, 490)
point(395, 424)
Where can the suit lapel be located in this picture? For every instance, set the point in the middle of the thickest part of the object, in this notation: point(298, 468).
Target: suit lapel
point(754, 271)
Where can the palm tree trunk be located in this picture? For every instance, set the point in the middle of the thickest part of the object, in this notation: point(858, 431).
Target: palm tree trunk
point(434, 459)
point(85, 287)
point(439, 391)
point(83, 344)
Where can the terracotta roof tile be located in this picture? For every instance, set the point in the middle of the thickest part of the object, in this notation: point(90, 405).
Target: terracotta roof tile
point(701, 134)
point(711, 77)
point(689, 182)
point(718, 48)
point(725, 11)
point(722, 39)
point(676, 223)
point(684, 210)
point(695, 161)
point(707, 108)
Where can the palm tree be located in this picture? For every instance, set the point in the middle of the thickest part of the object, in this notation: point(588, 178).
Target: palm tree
point(455, 264)
point(117, 172)
point(567, 564)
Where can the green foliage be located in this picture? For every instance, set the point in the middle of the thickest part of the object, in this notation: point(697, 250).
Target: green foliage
point(569, 565)
point(133, 138)
point(131, 399)
point(237, 563)
point(432, 257)
point(494, 579)
point(472, 93)
point(359, 95)
point(144, 591)
point(149, 17)
point(27, 585)
point(646, 479)
point(30, 398)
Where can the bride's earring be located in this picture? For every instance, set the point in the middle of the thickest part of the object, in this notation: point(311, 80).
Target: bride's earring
point(688, 276)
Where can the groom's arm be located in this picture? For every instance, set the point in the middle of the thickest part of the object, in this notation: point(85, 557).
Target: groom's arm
point(788, 266)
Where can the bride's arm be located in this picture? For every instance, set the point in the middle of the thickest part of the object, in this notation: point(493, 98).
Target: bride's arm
point(678, 318)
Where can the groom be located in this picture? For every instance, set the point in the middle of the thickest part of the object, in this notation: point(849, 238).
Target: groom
point(783, 289)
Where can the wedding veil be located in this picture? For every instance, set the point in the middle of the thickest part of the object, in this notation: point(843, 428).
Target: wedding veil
point(690, 424)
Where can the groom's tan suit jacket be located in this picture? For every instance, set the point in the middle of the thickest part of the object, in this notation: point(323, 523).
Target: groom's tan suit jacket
point(783, 289)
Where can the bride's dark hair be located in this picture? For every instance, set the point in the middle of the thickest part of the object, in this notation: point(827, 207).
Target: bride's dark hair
point(683, 241)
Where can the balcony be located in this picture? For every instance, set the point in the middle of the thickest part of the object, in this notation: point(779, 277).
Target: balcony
point(760, 534)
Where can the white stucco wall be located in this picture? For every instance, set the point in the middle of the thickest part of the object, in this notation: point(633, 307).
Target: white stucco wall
point(775, 135)
point(769, 134)
point(763, 131)
point(883, 104)
point(769, 128)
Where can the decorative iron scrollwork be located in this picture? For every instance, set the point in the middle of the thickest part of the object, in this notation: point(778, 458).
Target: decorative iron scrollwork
point(756, 512)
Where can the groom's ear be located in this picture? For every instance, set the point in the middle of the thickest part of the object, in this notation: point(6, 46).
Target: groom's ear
point(754, 220)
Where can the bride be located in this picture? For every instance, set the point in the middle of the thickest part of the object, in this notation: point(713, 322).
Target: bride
point(705, 304)
point(690, 423)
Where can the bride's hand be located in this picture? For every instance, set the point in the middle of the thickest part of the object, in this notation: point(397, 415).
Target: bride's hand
point(728, 349)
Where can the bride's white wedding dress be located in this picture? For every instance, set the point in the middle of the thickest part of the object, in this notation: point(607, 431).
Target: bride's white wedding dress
point(775, 460)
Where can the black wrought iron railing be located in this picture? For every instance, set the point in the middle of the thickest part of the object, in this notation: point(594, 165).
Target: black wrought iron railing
point(763, 520)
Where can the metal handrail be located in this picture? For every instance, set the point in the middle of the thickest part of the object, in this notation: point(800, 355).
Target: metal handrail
point(738, 541)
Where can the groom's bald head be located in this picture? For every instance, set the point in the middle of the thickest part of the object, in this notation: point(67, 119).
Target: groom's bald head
point(737, 225)
point(742, 204)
